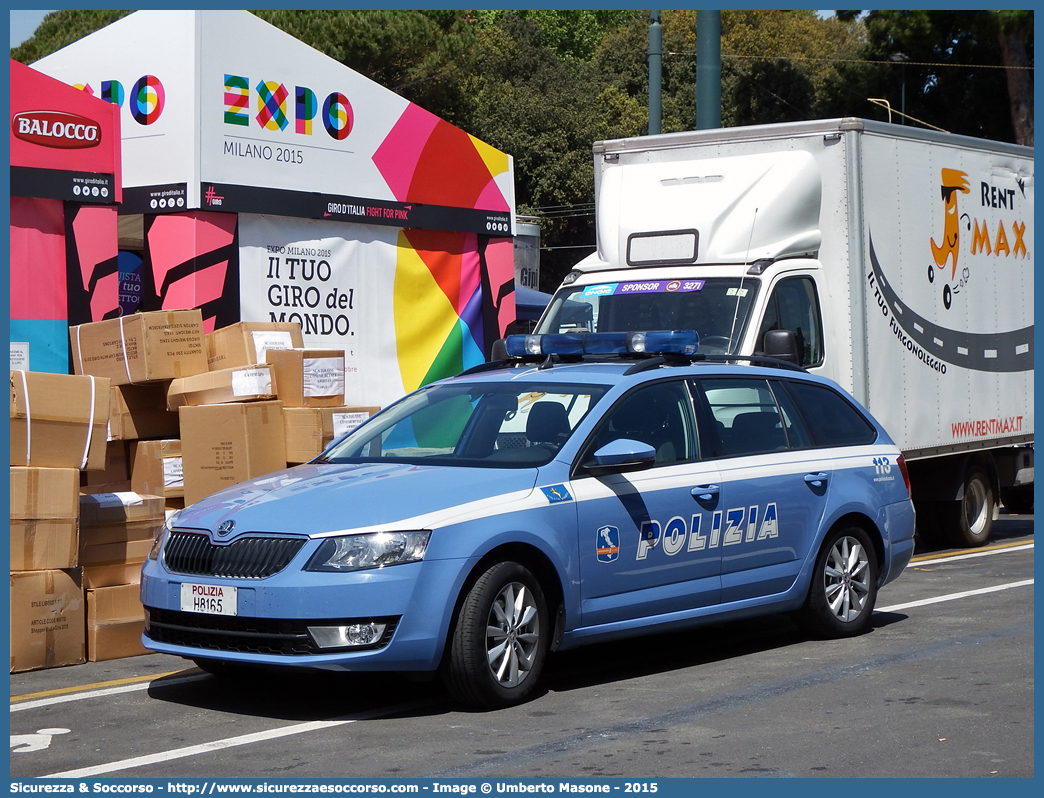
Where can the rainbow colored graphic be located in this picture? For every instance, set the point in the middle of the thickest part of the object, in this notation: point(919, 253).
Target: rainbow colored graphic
point(452, 290)
point(147, 98)
point(338, 116)
point(271, 105)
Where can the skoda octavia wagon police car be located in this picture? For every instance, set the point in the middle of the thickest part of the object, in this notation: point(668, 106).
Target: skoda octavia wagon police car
point(588, 487)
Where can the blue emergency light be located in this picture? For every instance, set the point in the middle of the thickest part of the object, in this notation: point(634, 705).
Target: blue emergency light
point(655, 342)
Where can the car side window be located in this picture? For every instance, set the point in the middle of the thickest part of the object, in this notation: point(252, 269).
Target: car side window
point(746, 415)
point(831, 419)
point(794, 306)
point(659, 415)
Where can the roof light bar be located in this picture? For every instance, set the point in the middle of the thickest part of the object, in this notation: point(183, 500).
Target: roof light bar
point(655, 342)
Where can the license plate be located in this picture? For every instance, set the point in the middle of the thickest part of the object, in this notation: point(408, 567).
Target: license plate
point(208, 599)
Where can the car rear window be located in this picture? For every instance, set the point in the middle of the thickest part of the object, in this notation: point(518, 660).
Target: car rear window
point(830, 418)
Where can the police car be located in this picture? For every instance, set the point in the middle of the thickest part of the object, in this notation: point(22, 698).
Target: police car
point(587, 487)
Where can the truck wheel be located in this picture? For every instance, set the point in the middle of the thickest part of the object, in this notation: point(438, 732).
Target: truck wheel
point(844, 585)
point(968, 522)
point(500, 639)
point(1017, 500)
point(929, 529)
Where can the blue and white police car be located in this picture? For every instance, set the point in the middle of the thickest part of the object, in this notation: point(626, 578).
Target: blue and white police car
point(588, 487)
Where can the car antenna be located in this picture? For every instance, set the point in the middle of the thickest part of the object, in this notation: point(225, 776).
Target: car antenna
point(739, 295)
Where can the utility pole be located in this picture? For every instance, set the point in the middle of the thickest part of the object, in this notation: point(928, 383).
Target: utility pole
point(708, 70)
point(655, 72)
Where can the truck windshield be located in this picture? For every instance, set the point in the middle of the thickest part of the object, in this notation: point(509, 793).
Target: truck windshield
point(718, 308)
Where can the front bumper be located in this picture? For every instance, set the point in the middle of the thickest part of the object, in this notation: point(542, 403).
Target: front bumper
point(414, 601)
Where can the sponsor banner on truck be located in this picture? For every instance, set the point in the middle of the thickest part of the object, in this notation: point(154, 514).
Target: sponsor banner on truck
point(949, 291)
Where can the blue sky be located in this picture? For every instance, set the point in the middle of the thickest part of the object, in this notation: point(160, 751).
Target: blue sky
point(24, 24)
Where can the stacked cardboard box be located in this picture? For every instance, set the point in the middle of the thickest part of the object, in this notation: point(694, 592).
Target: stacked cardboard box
point(309, 430)
point(57, 428)
point(248, 342)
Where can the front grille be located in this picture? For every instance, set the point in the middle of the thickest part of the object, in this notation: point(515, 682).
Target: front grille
point(246, 558)
point(285, 637)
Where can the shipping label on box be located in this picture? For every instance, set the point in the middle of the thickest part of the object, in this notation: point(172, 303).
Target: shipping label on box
point(310, 429)
point(142, 347)
point(47, 620)
point(240, 384)
point(245, 343)
point(58, 420)
point(309, 377)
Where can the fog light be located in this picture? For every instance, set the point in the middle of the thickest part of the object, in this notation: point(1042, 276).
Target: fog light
point(356, 634)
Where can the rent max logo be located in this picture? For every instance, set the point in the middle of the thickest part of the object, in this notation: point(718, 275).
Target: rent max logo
point(727, 528)
point(273, 97)
point(989, 233)
point(56, 129)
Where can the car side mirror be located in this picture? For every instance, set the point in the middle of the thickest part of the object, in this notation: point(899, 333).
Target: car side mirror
point(782, 344)
point(619, 456)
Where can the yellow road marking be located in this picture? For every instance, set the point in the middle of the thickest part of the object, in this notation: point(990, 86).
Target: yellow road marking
point(96, 686)
point(958, 553)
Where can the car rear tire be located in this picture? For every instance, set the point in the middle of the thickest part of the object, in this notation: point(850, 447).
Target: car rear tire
point(500, 640)
point(968, 522)
point(844, 585)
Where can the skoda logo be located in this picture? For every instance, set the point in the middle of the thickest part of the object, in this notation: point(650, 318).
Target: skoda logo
point(226, 527)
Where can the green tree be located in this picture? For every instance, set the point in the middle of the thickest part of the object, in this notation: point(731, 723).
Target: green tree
point(60, 28)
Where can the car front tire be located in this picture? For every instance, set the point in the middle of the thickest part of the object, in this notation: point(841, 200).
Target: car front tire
point(500, 640)
point(843, 592)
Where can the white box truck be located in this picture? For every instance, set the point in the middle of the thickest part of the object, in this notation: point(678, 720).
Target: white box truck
point(899, 260)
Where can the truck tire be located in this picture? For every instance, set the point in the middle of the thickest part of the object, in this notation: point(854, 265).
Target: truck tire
point(1018, 500)
point(968, 522)
point(929, 529)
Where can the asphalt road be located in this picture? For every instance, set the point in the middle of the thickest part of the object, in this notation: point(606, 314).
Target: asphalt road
point(941, 687)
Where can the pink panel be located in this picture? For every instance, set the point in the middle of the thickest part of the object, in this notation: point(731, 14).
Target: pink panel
point(38, 287)
point(197, 289)
point(177, 238)
point(500, 262)
point(94, 229)
point(492, 198)
point(106, 296)
point(397, 157)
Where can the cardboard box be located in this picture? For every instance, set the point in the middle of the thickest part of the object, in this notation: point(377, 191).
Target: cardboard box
point(140, 411)
point(122, 552)
point(110, 575)
point(44, 544)
point(47, 620)
point(142, 347)
point(58, 420)
point(245, 343)
point(118, 508)
point(115, 621)
point(156, 468)
point(117, 467)
point(222, 445)
point(45, 493)
point(240, 384)
point(310, 429)
point(309, 377)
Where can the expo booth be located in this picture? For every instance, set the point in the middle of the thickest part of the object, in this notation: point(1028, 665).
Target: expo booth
point(264, 181)
point(65, 186)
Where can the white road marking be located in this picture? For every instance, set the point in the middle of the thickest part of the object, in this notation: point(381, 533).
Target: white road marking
point(127, 688)
point(953, 596)
point(934, 560)
point(193, 750)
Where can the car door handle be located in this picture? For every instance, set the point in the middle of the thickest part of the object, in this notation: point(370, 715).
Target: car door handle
point(816, 480)
point(706, 495)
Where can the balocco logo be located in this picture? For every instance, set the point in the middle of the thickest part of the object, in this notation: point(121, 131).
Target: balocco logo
point(56, 129)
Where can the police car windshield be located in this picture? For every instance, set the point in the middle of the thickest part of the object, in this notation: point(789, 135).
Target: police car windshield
point(718, 308)
point(509, 425)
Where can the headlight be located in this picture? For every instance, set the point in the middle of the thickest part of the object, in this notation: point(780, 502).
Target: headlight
point(168, 524)
point(374, 550)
